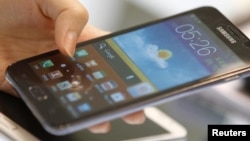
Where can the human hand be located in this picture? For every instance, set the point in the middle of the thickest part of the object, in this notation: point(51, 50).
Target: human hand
point(31, 27)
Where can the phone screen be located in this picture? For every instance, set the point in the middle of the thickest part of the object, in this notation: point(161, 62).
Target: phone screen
point(119, 69)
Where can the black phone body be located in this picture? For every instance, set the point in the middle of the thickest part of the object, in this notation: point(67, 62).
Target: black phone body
point(123, 72)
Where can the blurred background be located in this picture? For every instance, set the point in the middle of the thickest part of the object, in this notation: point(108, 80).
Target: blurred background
point(113, 15)
point(223, 104)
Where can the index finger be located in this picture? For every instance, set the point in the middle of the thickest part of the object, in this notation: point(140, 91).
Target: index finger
point(69, 17)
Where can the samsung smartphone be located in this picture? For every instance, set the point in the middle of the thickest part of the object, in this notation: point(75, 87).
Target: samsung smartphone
point(11, 131)
point(158, 126)
point(124, 72)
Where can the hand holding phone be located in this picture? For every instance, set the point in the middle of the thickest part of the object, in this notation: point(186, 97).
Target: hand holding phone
point(24, 35)
point(126, 71)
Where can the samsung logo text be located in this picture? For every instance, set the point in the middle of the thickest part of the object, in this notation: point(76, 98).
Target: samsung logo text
point(226, 35)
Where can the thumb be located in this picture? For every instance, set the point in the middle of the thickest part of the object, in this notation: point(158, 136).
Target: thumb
point(69, 17)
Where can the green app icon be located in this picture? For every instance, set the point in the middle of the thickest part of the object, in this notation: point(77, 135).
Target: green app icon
point(81, 53)
point(46, 63)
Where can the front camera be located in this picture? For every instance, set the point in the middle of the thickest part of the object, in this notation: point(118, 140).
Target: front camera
point(247, 44)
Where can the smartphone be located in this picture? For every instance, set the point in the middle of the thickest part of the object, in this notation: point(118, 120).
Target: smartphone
point(11, 131)
point(158, 126)
point(126, 71)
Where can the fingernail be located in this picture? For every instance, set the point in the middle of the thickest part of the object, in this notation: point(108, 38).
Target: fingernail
point(70, 43)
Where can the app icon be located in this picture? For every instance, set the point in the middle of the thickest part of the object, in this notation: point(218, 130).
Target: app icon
point(44, 77)
point(99, 74)
point(98, 88)
point(89, 77)
point(108, 85)
point(55, 74)
point(140, 89)
point(64, 85)
point(81, 53)
point(91, 63)
point(53, 89)
point(63, 100)
point(84, 107)
point(129, 77)
point(74, 96)
point(63, 65)
point(35, 67)
point(117, 97)
point(46, 64)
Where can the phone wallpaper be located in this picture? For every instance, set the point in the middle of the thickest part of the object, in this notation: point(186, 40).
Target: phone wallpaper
point(161, 57)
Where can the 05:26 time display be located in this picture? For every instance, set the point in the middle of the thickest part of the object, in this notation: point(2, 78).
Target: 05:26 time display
point(201, 46)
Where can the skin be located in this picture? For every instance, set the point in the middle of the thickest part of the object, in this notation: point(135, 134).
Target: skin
point(31, 27)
